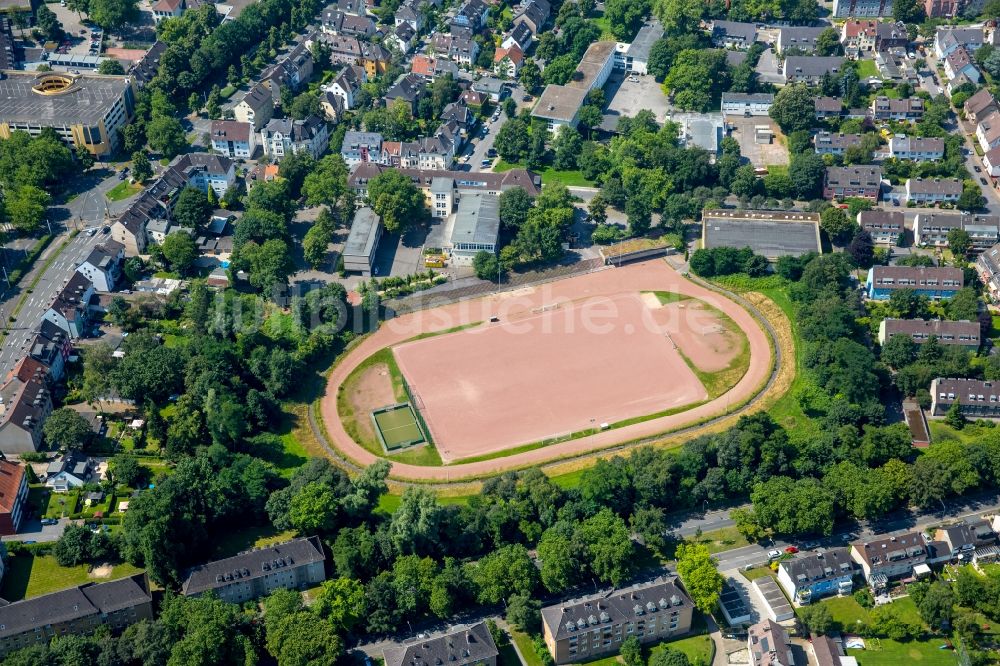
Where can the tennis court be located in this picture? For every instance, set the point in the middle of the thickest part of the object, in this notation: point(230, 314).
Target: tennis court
point(397, 427)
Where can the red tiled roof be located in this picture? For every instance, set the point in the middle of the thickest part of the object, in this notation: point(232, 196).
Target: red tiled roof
point(11, 475)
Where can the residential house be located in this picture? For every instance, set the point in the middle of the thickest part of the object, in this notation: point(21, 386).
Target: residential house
point(596, 625)
point(858, 36)
point(733, 35)
point(885, 557)
point(768, 645)
point(534, 14)
point(408, 90)
point(442, 189)
point(931, 229)
point(862, 8)
point(52, 347)
point(885, 226)
point(953, 333)
point(347, 85)
point(988, 268)
point(164, 9)
point(470, 645)
point(471, 14)
point(941, 8)
point(935, 282)
point(891, 35)
point(375, 59)
point(353, 7)
point(884, 108)
point(473, 99)
point(827, 651)
point(77, 610)
point(828, 107)
point(980, 105)
point(289, 137)
point(26, 403)
point(746, 104)
point(256, 107)
point(827, 143)
point(431, 68)
point(334, 21)
point(808, 577)
point(69, 310)
point(507, 61)
point(862, 181)
point(204, 170)
point(410, 14)
point(362, 242)
point(360, 147)
point(144, 69)
point(810, 69)
point(959, 62)
point(977, 399)
point(103, 266)
point(436, 153)
point(464, 50)
point(520, 35)
point(72, 470)
point(233, 139)
point(333, 106)
point(991, 160)
point(988, 132)
point(490, 86)
point(461, 115)
point(403, 38)
point(290, 565)
point(13, 496)
point(933, 190)
point(916, 148)
point(798, 39)
point(958, 82)
point(293, 71)
point(947, 39)
point(963, 538)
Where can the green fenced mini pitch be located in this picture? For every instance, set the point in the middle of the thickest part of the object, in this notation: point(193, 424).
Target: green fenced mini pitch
point(397, 428)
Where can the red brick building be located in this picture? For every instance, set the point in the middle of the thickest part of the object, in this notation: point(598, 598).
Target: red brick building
point(13, 495)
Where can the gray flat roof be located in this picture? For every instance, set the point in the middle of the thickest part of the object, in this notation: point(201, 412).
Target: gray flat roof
point(477, 219)
point(777, 235)
point(86, 101)
point(592, 62)
point(559, 103)
point(648, 35)
point(363, 234)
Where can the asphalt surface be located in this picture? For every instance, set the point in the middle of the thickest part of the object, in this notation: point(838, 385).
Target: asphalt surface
point(84, 212)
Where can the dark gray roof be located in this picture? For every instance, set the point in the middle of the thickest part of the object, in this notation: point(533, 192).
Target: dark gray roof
point(363, 234)
point(253, 564)
point(462, 645)
point(810, 567)
point(770, 233)
point(73, 604)
point(745, 31)
point(648, 35)
point(885, 548)
point(86, 101)
point(854, 176)
point(614, 606)
point(769, 645)
point(812, 65)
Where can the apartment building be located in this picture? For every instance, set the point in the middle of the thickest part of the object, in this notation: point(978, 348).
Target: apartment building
point(916, 148)
point(862, 181)
point(977, 399)
point(885, 226)
point(885, 557)
point(953, 333)
point(934, 282)
point(933, 190)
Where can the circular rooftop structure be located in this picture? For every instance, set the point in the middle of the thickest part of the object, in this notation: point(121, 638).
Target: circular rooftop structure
point(53, 83)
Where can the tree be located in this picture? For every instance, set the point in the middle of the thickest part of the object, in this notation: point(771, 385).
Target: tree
point(817, 619)
point(192, 209)
point(514, 207)
point(793, 108)
point(828, 43)
point(908, 11)
point(790, 506)
point(111, 67)
point(524, 613)
point(113, 15)
point(180, 251)
point(862, 248)
point(669, 657)
point(327, 183)
point(806, 171)
point(631, 651)
point(486, 265)
point(697, 78)
point(317, 240)
point(679, 16)
point(959, 242)
point(141, 168)
point(567, 145)
point(899, 351)
point(26, 206)
point(837, 225)
point(47, 23)
point(66, 429)
point(936, 605)
point(560, 70)
point(971, 198)
point(745, 182)
point(700, 575)
point(166, 136)
point(530, 75)
point(341, 601)
point(513, 140)
point(954, 417)
point(394, 197)
point(126, 470)
point(625, 17)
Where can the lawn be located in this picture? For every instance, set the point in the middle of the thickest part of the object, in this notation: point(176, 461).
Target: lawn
point(526, 648)
point(62, 504)
point(891, 653)
point(848, 613)
point(698, 647)
point(29, 576)
point(867, 68)
point(549, 175)
point(227, 92)
point(123, 190)
point(758, 572)
point(230, 543)
point(720, 540)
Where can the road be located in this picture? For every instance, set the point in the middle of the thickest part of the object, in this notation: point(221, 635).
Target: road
point(85, 211)
point(476, 149)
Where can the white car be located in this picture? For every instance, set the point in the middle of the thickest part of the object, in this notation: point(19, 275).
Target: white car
point(773, 555)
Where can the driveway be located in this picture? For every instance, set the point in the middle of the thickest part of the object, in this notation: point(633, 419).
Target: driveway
point(33, 530)
point(627, 98)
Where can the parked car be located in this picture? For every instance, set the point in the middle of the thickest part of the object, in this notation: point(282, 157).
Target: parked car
point(492, 152)
point(976, 167)
point(983, 181)
point(49, 521)
point(486, 163)
point(791, 550)
point(772, 555)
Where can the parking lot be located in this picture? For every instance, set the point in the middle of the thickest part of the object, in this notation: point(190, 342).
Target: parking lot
point(79, 35)
point(769, 68)
point(626, 98)
point(760, 155)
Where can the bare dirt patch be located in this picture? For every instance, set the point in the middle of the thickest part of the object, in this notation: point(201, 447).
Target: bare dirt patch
point(705, 336)
point(102, 571)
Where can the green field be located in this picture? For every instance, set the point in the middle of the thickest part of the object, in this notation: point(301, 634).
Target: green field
point(398, 427)
point(123, 190)
point(867, 68)
point(890, 653)
point(29, 576)
point(549, 175)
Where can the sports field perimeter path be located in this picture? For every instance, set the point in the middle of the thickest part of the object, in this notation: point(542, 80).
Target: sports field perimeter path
point(654, 275)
